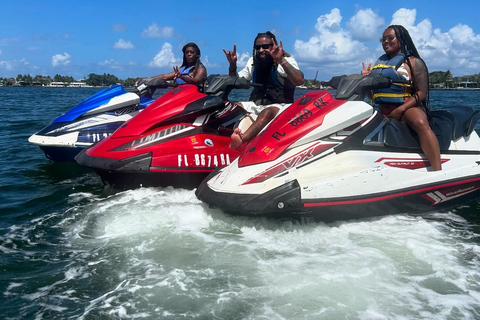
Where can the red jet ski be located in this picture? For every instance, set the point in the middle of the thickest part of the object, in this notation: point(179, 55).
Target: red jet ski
point(177, 141)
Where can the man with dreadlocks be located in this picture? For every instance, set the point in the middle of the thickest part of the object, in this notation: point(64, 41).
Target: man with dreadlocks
point(408, 104)
point(279, 73)
point(192, 71)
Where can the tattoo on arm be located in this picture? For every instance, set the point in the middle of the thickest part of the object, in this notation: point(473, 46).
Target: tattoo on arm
point(420, 79)
point(293, 74)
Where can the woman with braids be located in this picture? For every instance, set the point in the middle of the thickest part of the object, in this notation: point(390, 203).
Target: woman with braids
point(279, 73)
point(192, 71)
point(408, 104)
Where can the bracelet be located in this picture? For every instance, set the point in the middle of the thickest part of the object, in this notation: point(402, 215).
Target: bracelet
point(283, 62)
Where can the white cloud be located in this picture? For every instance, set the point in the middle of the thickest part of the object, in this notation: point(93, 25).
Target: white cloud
point(463, 35)
point(209, 64)
point(330, 43)
point(124, 45)
point(404, 17)
point(365, 25)
point(7, 65)
point(165, 58)
point(106, 62)
point(336, 50)
point(242, 60)
point(155, 31)
point(61, 60)
point(113, 64)
point(21, 64)
point(455, 50)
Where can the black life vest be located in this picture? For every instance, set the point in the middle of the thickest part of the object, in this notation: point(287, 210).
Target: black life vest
point(272, 91)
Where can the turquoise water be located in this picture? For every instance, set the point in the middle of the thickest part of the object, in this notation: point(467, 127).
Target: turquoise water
point(73, 249)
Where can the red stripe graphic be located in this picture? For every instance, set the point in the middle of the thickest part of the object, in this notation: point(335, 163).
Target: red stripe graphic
point(401, 194)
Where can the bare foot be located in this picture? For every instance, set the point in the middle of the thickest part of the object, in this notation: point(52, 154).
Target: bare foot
point(236, 137)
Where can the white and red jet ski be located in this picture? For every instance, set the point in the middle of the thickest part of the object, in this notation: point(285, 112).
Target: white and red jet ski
point(177, 141)
point(336, 158)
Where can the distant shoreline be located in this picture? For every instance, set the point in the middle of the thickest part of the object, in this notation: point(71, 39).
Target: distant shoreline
point(56, 87)
point(455, 89)
point(309, 89)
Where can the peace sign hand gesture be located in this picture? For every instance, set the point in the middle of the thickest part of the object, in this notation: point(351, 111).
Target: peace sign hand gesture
point(366, 71)
point(177, 73)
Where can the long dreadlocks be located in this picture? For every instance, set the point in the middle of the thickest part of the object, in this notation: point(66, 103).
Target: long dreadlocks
point(268, 35)
point(197, 63)
point(409, 50)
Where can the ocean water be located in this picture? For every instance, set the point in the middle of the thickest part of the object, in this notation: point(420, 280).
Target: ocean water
point(74, 249)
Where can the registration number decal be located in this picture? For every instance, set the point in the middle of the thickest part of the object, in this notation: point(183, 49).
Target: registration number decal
point(302, 115)
point(203, 160)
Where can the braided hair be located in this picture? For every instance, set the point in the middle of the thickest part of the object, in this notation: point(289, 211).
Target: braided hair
point(197, 63)
point(268, 35)
point(409, 50)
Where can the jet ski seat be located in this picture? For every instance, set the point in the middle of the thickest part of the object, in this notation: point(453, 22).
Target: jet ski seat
point(460, 116)
point(192, 110)
point(448, 124)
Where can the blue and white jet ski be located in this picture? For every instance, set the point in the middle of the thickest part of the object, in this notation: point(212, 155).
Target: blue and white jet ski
point(92, 120)
point(335, 158)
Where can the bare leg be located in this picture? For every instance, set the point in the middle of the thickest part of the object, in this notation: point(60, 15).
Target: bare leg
point(417, 120)
point(265, 116)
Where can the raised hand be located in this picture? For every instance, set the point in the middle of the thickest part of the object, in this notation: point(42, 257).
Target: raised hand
point(232, 55)
point(276, 51)
point(366, 71)
point(177, 72)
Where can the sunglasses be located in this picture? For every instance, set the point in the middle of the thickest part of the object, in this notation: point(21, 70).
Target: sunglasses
point(263, 46)
point(389, 38)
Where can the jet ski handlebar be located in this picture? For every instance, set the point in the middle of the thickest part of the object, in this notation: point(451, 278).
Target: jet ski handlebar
point(146, 87)
point(355, 87)
point(222, 85)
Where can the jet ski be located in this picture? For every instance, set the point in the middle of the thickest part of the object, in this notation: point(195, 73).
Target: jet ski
point(177, 141)
point(334, 157)
point(92, 120)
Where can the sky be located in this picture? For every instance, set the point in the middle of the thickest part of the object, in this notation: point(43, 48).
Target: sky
point(140, 39)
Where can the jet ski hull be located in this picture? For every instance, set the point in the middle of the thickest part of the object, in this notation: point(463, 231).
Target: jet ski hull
point(286, 201)
point(140, 171)
point(331, 159)
point(60, 154)
point(177, 141)
point(92, 120)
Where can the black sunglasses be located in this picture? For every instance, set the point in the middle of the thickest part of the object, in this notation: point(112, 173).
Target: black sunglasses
point(263, 46)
